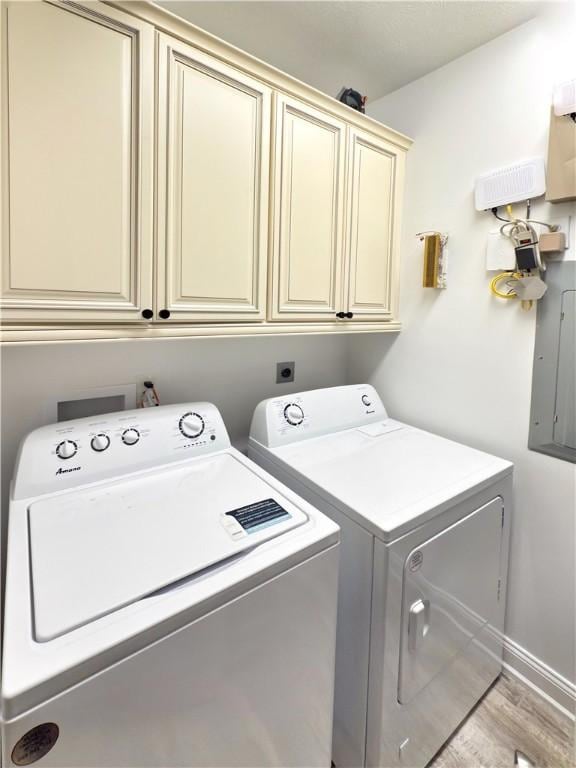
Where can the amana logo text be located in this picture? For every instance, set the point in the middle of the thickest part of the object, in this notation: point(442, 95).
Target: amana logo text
point(62, 471)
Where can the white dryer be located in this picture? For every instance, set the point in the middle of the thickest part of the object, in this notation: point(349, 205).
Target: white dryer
point(168, 603)
point(425, 527)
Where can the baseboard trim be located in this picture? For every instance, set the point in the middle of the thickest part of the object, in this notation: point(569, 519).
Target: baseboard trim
point(540, 677)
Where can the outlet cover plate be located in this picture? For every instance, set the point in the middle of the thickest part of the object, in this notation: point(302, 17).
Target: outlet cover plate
point(285, 372)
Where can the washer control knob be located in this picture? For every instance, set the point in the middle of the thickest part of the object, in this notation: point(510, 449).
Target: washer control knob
point(366, 400)
point(293, 414)
point(100, 442)
point(66, 449)
point(130, 436)
point(191, 425)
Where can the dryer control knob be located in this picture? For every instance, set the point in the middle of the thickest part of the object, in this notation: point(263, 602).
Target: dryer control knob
point(130, 436)
point(191, 425)
point(66, 449)
point(293, 414)
point(100, 442)
point(366, 400)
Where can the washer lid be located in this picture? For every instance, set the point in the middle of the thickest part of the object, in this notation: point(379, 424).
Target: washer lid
point(97, 550)
point(388, 476)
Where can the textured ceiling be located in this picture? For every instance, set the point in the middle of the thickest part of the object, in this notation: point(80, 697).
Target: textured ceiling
point(374, 46)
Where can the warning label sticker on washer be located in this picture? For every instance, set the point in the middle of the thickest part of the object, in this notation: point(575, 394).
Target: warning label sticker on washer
point(260, 514)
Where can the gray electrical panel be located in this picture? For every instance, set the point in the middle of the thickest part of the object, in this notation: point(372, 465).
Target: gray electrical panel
point(553, 409)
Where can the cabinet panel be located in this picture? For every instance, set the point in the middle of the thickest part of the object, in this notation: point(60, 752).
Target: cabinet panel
point(213, 188)
point(78, 145)
point(308, 212)
point(375, 177)
point(135, 176)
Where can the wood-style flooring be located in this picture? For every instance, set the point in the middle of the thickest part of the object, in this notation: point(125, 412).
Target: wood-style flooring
point(510, 717)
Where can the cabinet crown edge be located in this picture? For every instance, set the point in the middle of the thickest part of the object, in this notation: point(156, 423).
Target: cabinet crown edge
point(168, 22)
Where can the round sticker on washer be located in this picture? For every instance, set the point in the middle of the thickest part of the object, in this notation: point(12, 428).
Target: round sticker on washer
point(416, 560)
point(35, 743)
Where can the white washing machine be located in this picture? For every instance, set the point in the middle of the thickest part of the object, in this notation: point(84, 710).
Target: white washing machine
point(425, 526)
point(168, 602)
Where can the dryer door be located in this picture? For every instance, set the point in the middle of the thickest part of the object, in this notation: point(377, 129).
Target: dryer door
point(451, 586)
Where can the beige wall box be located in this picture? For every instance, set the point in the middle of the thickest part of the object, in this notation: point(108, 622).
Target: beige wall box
point(552, 242)
point(201, 228)
point(561, 172)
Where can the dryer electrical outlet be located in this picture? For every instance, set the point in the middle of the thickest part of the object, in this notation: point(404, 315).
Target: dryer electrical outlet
point(285, 372)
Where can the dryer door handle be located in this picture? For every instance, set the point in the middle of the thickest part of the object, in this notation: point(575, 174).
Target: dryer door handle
point(418, 624)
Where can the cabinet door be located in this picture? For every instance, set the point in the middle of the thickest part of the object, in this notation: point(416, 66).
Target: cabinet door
point(309, 168)
point(375, 183)
point(214, 139)
point(77, 141)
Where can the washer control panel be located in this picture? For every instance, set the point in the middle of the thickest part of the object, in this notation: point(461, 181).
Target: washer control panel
point(283, 420)
point(81, 451)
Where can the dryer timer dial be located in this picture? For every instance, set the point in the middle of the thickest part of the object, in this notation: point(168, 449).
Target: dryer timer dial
point(294, 414)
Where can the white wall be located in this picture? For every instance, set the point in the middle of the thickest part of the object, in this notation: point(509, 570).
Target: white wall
point(462, 365)
point(235, 374)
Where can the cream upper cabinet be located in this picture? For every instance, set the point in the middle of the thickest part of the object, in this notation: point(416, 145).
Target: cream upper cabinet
point(157, 181)
point(375, 182)
point(308, 213)
point(213, 171)
point(78, 157)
